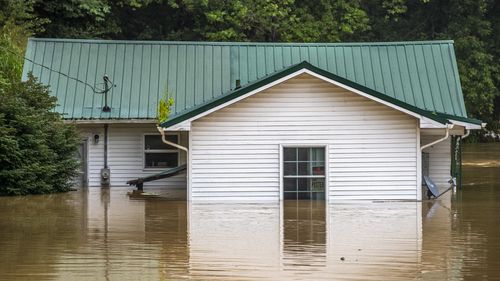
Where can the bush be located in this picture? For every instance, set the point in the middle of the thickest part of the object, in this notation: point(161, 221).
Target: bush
point(37, 150)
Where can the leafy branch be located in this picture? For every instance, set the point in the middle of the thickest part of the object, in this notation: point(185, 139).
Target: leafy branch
point(164, 106)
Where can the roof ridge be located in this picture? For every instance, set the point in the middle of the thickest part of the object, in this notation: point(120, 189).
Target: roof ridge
point(209, 43)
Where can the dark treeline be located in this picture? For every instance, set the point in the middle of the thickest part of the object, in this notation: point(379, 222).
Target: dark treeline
point(472, 24)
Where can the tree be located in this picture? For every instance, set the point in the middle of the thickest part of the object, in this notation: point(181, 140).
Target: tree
point(36, 148)
point(240, 20)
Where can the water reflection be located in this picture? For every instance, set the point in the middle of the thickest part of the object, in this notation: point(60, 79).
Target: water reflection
point(103, 235)
point(304, 235)
point(166, 227)
point(35, 231)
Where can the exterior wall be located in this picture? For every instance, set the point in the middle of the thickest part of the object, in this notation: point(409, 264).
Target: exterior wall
point(439, 156)
point(125, 154)
point(371, 148)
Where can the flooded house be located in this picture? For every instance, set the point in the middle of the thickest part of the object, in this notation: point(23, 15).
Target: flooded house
point(261, 121)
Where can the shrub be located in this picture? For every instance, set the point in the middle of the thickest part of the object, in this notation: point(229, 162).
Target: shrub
point(37, 150)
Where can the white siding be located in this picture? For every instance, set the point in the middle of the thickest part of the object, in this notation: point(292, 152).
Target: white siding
point(125, 155)
point(371, 147)
point(439, 157)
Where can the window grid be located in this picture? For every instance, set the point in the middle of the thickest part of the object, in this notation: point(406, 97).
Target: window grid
point(300, 183)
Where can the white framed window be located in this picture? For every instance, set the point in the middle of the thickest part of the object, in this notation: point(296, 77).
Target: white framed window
point(304, 173)
point(157, 154)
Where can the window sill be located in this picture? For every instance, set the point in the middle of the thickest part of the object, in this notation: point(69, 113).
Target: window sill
point(156, 169)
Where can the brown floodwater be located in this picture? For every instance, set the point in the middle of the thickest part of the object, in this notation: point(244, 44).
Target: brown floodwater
point(99, 234)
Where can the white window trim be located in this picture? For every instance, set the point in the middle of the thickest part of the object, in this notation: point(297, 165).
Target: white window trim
point(327, 169)
point(143, 150)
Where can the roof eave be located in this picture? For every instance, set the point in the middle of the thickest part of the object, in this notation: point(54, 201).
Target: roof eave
point(468, 123)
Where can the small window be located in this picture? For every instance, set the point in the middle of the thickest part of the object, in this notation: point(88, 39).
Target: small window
point(304, 173)
point(158, 154)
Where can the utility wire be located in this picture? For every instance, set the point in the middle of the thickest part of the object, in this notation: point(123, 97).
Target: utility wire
point(61, 73)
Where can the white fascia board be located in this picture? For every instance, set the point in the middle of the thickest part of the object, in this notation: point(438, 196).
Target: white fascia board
point(468, 126)
point(183, 126)
point(426, 123)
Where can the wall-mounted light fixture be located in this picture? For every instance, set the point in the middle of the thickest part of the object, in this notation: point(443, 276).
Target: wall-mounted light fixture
point(96, 138)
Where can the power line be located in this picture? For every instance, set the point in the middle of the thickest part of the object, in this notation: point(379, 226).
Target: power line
point(62, 73)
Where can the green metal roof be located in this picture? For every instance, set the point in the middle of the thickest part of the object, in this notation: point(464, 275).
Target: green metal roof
point(420, 74)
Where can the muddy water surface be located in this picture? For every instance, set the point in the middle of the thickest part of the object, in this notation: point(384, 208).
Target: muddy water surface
point(102, 235)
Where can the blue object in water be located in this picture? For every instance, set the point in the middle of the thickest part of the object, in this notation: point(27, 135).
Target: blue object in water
point(431, 186)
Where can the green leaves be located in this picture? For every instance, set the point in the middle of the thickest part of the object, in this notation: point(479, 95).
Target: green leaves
point(36, 148)
point(164, 106)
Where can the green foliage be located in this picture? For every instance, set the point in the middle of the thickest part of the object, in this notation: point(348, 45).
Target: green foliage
point(74, 18)
point(12, 44)
point(164, 105)
point(36, 148)
point(240, 20)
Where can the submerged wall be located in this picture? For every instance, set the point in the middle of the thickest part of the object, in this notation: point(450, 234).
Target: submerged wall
point(125, 154)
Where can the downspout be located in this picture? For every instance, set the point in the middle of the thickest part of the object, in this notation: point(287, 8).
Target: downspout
point(105, 146)
point(447, 134)
point(162, 132)
point(466, 134)
point(459, 180)
point(105, 172)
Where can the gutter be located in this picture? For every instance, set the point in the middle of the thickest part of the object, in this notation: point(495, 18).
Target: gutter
point(162, 132)
point(447, 134)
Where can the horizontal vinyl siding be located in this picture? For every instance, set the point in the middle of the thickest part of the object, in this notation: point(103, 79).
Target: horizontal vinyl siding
point(371, 147)
point(125, 155)
point(439, 157)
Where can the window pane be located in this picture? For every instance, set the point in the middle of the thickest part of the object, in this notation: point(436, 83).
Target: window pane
point(155, 142)
point(161, 160)
point(318, 185)
point(290, 154)
point(303, 154)
point(290, 184)
point(318, 168)
point(304, 195)
point(318, 196)
point(304, 168)
point(290, 195)
point(290, 169)
point(303, 184)
point(317, 154)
